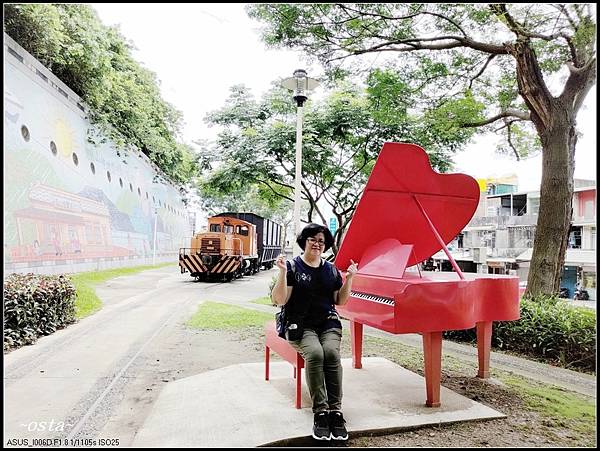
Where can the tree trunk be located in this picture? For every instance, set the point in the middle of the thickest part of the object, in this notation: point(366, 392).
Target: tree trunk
point(556, 195)
point(554, 120)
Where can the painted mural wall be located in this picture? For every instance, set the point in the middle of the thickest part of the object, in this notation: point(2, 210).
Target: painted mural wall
point(70, 204)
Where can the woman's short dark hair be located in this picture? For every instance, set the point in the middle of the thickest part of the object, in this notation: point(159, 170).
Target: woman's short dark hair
point(312, 230)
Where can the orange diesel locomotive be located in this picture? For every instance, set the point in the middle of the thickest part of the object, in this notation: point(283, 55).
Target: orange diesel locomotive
point(235, 244)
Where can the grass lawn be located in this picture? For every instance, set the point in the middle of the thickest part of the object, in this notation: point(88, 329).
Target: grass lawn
point(266, 300)
point(87, 302)
point(212, 315)
point(559, 406)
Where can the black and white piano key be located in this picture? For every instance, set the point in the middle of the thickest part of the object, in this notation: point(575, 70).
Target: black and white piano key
point(372, 298)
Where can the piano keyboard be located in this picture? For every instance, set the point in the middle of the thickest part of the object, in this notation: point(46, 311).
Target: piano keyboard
point(372, 298)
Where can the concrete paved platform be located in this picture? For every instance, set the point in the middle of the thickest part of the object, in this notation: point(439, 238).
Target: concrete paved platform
point(235, 407)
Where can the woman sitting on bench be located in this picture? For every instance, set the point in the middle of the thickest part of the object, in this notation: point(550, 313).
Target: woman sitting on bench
point(311, 288)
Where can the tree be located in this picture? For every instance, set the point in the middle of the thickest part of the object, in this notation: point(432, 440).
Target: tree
point(342, 137)
point(509, 57)
point(95, 61)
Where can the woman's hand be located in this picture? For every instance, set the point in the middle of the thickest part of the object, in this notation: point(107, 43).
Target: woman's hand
point(281, 262)
point(352, 269)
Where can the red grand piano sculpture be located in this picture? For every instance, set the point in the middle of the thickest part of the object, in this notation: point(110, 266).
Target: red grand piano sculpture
point(407, 213)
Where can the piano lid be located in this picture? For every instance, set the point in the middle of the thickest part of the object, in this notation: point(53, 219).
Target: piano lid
point(388, 208)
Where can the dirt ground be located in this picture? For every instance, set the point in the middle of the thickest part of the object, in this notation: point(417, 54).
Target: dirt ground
point(522, 427)
point(186, 352)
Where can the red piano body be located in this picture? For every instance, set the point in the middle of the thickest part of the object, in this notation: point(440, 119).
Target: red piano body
point(407, 213)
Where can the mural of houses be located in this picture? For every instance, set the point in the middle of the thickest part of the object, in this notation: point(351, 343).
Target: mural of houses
point(59, 224)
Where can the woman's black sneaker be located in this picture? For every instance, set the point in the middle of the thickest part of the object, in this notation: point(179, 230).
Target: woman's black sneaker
point(337, 426)
point(321, 427)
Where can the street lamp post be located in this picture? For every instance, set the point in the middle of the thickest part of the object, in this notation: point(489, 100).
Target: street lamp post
point(300, 84)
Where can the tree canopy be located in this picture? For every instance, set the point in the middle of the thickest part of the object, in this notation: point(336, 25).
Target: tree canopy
point(531, 65)
point(342, 137)
point(443, 50)
point(95, 62)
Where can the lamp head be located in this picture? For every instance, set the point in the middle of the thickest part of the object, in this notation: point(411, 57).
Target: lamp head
point(300, 84)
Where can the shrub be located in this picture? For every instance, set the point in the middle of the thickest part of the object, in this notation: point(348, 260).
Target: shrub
point(36, 305)
point(549, 329)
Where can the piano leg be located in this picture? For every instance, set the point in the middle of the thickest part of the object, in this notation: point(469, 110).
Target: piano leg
point(484, 344)
point(432, 353)
point(356, 338)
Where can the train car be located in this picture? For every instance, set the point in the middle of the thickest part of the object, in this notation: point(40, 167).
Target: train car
point(268, 237)
point(235, 244)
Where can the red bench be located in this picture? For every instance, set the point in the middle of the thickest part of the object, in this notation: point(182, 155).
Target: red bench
point(281, 347)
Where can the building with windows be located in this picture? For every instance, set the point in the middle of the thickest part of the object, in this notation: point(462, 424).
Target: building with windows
point(499, 238)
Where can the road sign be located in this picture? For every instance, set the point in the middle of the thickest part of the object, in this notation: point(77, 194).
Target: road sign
point(332, 225)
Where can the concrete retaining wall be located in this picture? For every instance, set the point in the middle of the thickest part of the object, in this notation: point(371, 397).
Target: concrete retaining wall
point(73, 201)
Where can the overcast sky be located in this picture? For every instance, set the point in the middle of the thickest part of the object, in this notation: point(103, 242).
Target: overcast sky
point(199, 51)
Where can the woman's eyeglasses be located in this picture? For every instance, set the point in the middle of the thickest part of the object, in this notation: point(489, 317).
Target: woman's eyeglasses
point(313, 241)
